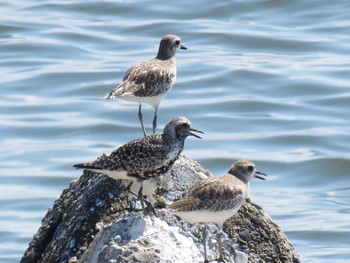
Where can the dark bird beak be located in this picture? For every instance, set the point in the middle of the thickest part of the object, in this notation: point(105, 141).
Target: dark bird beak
point(195, 135)
point(183, 47)
point(257, 173)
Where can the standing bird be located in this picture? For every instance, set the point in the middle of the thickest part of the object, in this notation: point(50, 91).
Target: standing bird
point(146, 158)
point(216, 199)
point(150, 81)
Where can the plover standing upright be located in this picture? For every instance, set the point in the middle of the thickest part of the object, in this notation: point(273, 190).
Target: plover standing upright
point(216, 199)
point(150, 81)
point(145, 158)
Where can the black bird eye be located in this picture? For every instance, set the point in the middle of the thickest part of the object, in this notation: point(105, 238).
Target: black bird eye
point(250, 168)
point(185, 125)
point(177, 42)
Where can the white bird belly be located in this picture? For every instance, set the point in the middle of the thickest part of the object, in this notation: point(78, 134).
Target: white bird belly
point(206, 216)
point(153, 101)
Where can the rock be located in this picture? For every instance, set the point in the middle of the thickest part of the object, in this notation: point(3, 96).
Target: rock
point(259, 236)
point(93, 221)
point(142, 239)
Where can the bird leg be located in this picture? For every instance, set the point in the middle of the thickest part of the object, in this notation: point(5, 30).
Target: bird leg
point(144, 201)
point(140, 197)
point(140, 118)
point(155, 118)
point(205, 243)
point(128, 187)
point(128, 190)
point(218, 239)
point(150, 207)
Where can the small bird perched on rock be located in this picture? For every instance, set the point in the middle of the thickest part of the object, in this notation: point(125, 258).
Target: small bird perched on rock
point(215, 199)
point(150, 81)
point(146, 158)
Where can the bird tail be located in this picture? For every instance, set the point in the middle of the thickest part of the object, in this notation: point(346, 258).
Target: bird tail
point(110, 96)
point(182, 205)
point(84, 166)
point(115, 93)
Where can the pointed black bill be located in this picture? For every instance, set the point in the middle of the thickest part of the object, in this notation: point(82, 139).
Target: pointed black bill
point(183, 47)
point(257, 173)
point(195, 135)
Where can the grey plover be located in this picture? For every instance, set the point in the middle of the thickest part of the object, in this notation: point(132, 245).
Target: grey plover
point(145, 158)
point(216, 199)
point(150, 81)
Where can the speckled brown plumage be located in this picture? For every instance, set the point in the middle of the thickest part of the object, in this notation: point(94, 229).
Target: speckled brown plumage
point(214, 194)
point(149, 81)
point(219, 193)
point(216, 199)
point(145, 158)
point(146, 79)
point(141, 158)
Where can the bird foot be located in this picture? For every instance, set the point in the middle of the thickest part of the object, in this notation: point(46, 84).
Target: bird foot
point(149, 208)
point(128, 187)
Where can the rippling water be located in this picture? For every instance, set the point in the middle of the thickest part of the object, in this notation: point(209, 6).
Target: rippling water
point(266, 80)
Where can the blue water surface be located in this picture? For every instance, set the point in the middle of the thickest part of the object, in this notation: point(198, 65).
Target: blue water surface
point(266, 80)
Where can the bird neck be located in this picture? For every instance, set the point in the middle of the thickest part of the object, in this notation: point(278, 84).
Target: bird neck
point(175, 144)
point(171, 139)
point(242, 178)
point(163, 55)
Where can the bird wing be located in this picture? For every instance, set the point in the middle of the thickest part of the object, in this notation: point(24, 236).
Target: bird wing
point(214, 193)
point(145, 79)
point(136, 156)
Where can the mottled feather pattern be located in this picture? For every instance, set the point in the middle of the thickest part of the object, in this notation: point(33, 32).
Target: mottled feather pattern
point(149, 82)
point(214, 194)
point(137, 161)
point(147, 79)
point(216, 199)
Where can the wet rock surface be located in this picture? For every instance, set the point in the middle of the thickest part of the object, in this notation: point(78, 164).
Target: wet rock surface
point(93, 221)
